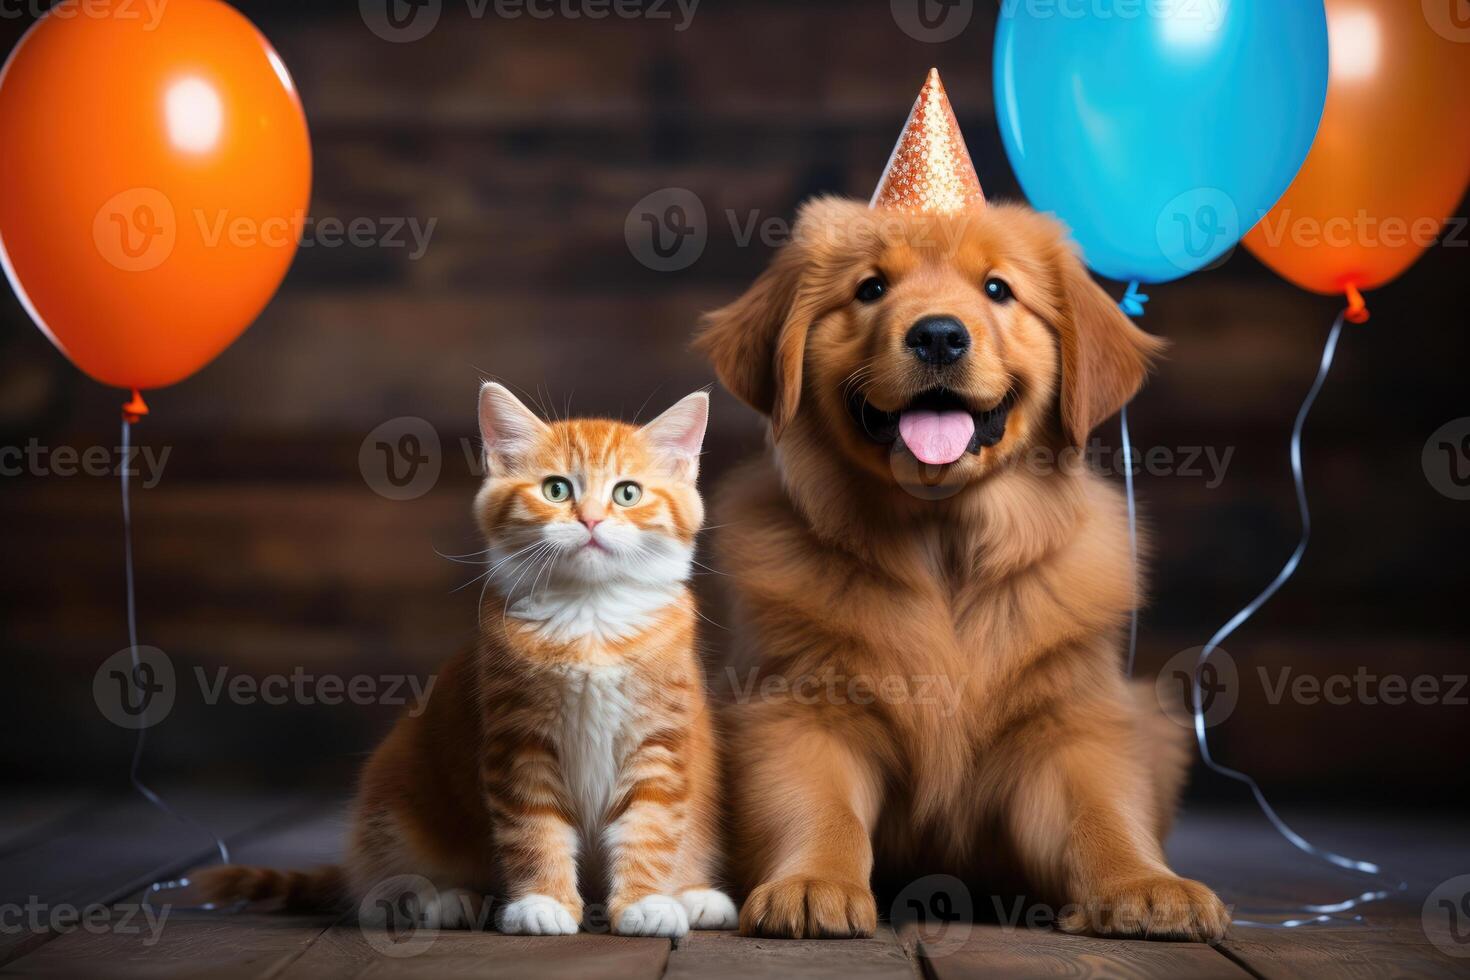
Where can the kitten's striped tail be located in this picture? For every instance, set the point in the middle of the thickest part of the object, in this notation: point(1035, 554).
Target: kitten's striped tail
point(320, 889)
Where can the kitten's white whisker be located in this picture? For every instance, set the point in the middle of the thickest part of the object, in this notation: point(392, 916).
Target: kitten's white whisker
point(492, 567)
point(706, 567)
point(546, 566)
point(529, 564)
point(708, 620)
point(645, 403)
point(525, 562)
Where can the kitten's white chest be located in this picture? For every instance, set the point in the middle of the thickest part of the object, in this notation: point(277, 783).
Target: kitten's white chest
point(604, 614)
point(596, 711)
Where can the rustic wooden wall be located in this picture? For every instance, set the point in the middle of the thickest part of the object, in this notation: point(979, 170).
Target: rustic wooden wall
point(263, 549)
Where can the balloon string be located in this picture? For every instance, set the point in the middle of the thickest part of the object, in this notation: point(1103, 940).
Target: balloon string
point(138, 784)
point(1132, 304)
point(1320, 913)
point(1132, 537)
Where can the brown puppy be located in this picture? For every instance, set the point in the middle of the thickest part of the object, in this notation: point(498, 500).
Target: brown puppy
point(931, 653)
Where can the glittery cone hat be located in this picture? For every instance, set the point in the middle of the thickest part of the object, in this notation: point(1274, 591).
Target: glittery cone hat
point(930, 170)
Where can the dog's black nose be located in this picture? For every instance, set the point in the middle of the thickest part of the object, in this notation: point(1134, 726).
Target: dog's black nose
point(938, 340)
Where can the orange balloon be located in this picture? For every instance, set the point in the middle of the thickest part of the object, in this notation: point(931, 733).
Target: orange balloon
point(157, 171)
point(1392, 154)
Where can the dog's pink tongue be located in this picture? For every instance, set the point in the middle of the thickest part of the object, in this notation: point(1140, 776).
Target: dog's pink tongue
point(936, 437)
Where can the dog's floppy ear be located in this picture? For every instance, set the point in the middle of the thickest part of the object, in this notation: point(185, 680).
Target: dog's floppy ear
point(753, 346)
point(758, 343)
point(1105, 357)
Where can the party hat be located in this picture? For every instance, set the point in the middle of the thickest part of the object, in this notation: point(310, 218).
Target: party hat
point(930, 170)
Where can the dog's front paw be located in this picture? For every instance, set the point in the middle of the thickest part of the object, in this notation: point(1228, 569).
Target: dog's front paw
point(1151, 907)
point(708, 909)
point(654, 915)
point(536, 915)
point(809, 908)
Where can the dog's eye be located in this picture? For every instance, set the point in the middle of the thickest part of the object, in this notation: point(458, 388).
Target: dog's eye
point(997, 289)
point(871, 289)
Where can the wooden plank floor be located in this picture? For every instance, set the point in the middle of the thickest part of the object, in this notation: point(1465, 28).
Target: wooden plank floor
point(65, 852)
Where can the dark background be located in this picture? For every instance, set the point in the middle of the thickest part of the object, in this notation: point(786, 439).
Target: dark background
point(264, 549)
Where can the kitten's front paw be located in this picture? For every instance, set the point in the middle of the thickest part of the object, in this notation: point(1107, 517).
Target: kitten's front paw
point(536, 915)
point(709, 909)
point(656, 915)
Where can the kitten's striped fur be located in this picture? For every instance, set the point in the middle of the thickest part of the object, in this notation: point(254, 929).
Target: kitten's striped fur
point(570, 757)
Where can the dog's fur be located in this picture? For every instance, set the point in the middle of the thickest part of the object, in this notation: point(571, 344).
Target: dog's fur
point(866, 588)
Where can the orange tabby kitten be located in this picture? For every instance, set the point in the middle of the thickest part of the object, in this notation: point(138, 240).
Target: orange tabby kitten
point(571, 755)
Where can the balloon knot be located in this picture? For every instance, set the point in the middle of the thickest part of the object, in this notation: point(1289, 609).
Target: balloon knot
point(135, 409)
point(1132, 301)
point(1357, 309)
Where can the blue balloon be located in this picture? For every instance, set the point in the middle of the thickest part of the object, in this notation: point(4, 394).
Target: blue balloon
point(1159, 131)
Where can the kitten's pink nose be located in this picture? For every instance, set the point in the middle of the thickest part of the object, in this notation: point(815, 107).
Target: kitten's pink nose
point(591, 522)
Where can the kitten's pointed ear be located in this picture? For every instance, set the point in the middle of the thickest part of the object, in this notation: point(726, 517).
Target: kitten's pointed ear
point(677, 435)
point(508, 429)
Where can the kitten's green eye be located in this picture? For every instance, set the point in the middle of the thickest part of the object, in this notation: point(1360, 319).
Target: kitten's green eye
point(627, 493)
point(557, 489)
